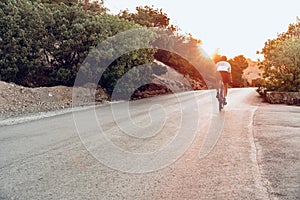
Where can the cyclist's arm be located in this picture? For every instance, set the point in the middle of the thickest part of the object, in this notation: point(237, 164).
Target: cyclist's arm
point(229, 70)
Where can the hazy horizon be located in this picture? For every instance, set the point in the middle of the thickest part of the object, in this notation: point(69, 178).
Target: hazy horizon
point(235, 27)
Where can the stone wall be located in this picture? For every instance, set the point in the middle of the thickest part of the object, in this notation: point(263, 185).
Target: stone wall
point(290, 98)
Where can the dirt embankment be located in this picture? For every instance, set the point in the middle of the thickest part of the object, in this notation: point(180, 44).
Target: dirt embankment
point(17, 100)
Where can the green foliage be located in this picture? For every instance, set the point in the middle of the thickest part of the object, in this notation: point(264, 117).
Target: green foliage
point(66, 2)
point(71, 33)
point(129, 62)
point(21, 37)
point(281, 66)
point(147, 16)
point(44, 45)
point(238, 65)
point(96, 7)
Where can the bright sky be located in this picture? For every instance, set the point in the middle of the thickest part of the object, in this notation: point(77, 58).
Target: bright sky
point(234, 26)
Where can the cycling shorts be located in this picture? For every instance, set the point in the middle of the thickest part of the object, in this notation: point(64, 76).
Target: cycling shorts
point(225, 76)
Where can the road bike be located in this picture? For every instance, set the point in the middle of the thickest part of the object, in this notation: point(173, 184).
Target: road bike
point(221, 95)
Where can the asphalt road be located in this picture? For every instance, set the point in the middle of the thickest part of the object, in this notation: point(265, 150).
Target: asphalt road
point(169, 147)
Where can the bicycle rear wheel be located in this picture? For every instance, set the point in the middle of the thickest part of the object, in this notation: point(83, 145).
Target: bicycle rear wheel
point(221, 97)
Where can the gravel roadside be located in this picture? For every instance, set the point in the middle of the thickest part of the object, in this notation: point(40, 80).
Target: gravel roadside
point(17, 101)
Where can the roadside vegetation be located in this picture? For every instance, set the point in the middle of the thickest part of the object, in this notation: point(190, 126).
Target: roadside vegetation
point(281, 64)
point(44, 43)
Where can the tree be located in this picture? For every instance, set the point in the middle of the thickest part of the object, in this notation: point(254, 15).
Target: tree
point(281, 64)
point(186, 58)
point(147, 16)
point(238, 65)
point(96, 7)
point(66, 2)
point(184, 45)
point(216, 57)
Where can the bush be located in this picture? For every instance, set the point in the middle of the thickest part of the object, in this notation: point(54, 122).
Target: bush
point(281, 66)
point(21, 37)
point(44, 45)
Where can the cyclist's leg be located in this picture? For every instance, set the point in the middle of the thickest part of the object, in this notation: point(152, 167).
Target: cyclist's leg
point(225, 92)
point(218, 83)
point(225, 89)
point(226, 79)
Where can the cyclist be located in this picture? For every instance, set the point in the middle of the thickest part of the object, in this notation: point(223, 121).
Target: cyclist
point(224, 69)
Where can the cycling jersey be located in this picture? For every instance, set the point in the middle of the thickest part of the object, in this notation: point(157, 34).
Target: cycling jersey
point(223, 66)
